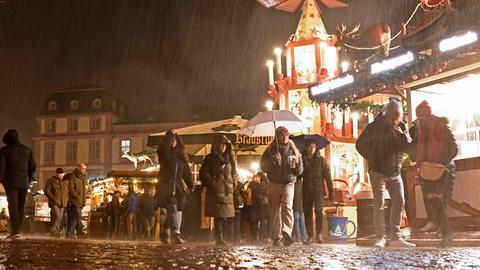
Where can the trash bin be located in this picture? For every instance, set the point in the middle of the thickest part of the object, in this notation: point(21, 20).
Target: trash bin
point(365, 226)
point(97, 227)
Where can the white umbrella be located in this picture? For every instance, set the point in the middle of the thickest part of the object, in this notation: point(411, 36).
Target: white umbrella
point(265, 123)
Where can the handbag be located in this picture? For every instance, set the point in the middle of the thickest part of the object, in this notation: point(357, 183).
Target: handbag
point(182, 187)
point(432, 171)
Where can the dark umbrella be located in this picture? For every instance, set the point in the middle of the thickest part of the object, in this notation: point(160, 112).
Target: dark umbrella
point(300, 140)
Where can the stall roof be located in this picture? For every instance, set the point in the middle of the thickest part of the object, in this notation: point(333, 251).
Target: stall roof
point(429, 65)
point(202, 134)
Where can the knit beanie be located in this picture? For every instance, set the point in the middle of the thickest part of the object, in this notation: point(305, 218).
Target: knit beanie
point(423, 109)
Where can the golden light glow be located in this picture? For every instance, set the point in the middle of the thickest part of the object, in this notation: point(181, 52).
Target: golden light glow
point(345, 65)
point(269, 105)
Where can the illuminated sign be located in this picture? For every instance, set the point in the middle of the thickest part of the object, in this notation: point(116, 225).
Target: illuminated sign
point(392, 63)
point(244, 139)
point(457, 41)
point(330, 85)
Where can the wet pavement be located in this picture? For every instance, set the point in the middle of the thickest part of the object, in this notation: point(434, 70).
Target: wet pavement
point(39, 253)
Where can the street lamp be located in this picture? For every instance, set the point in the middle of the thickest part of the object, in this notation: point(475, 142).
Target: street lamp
point(269, 105)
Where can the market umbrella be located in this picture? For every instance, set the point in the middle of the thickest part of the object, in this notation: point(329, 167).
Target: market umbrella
point(265, 123)
point(202, 134)
point(198, 138)
point(300, 140)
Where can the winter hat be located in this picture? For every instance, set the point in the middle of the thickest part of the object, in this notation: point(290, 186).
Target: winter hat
point(59, 170)
point(281, 130)
point(394, 106)
point(423, 109)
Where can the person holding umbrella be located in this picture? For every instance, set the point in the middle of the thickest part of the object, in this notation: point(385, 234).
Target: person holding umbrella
point(315, 174)
point(283, 164)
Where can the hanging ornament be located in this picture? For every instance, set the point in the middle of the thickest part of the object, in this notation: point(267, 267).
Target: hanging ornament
point(431, 3)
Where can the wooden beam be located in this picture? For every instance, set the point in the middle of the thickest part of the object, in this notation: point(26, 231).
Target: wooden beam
point(464, 208)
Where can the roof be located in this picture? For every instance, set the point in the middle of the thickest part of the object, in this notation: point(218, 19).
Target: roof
point(310, 25)
point(84, 96)
point(429, 63)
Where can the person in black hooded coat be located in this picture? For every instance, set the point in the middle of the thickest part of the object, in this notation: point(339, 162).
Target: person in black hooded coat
point(17, 167)
point(174, 167)
point(218, 174)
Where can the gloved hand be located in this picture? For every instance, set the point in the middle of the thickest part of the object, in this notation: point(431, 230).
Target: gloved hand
point(331, 196)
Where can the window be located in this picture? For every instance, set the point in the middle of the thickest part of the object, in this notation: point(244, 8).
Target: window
point(52, 106)
point(96, 124)
point(72, 151)
point(94, 153)
point(49, 152)
point(97, 103)
point(145, 144)
point(74, 104)
point(72, 125)
point(125, 146)
point(51, 125)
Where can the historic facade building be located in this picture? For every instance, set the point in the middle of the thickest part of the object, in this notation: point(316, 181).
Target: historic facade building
point(88, 124)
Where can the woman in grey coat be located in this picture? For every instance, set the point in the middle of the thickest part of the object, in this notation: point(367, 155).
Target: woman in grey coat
point(217, 174)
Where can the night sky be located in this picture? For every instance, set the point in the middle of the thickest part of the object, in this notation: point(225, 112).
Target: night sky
point(199, 58)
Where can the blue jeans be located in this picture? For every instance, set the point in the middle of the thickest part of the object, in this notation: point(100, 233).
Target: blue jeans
point(299, 227)
point(394, 186)
point(173, 221)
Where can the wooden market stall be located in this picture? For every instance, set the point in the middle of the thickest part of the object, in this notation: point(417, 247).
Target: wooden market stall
point(438, 60)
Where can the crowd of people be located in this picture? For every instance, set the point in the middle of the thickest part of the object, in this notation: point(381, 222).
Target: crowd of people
point(277, 204)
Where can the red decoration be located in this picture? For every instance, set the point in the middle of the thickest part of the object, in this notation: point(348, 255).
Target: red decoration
point(431, 3)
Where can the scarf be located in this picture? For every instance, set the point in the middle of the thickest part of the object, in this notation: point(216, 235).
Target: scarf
point(431, 139)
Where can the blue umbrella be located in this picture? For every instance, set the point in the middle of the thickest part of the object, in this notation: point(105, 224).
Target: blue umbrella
point(300, 140)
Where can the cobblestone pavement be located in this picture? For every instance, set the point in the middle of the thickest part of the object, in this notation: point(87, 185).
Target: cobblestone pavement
point(36, 253)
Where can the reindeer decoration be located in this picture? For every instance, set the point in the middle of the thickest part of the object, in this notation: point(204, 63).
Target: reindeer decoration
point(139, 157)
point(360, 48)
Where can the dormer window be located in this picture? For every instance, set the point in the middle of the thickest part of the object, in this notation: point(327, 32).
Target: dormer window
point(52, 106)
point(74, 104)
point(97, 103)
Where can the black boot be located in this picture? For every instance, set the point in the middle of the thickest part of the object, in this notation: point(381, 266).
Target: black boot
point(287, 240)
point(177, 239)
point(164, 238)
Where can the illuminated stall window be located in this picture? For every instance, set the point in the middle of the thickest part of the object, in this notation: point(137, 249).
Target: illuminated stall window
point(458, 101)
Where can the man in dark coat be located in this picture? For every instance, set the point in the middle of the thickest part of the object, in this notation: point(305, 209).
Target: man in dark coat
point(17, 167)
point(77, 181)
point(382, 144)
point(282, 163)
point(56, 190)
point(315, 175)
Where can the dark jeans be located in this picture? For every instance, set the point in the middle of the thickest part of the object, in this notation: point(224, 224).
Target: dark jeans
point(234, 227)
point(56, 215)
point(114, 225)
point(259, 230)
point(437, 207)
point(16, 205)
point(308, 206)
point(75, 220)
